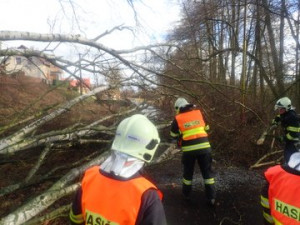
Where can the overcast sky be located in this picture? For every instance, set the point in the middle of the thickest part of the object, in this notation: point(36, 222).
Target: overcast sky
point(91, 18)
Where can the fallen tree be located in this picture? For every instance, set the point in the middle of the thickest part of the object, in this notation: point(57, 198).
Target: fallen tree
point(27, 138)
point(63, 187)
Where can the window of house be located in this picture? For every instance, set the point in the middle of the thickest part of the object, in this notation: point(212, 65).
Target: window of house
point(18, 60)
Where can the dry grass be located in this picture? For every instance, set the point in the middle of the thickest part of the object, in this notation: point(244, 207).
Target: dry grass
point(22, 97)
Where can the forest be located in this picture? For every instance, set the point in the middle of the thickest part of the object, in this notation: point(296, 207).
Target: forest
point(233, 59)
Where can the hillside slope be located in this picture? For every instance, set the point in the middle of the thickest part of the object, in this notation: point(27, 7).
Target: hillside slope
point(24, 97)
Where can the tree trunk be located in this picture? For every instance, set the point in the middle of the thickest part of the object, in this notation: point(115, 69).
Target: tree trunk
point(19, 135)
point(276, 64)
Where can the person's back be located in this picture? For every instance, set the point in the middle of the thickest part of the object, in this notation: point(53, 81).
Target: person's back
point(281, 195)
point(192, 128)
point(189, 129)
point(116, 192)
point(115, 195)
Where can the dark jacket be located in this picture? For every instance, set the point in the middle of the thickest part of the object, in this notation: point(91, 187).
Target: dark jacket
point(290, 123)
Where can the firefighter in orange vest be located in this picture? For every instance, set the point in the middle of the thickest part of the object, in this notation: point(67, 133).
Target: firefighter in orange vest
point(280, 196)
point(189, 129)
point(115, 192)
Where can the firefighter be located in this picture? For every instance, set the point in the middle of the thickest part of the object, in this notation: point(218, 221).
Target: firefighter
point(280, 196)
point(289, 120)
point(189, 129)
point(116, 192)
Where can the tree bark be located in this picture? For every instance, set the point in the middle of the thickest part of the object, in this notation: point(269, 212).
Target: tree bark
point(275, 62)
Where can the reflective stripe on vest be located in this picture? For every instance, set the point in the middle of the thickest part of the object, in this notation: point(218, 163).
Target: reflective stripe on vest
point(194, 133)
point(276, 222)
point(284, 196)
point(191, 125)
point(106, 200)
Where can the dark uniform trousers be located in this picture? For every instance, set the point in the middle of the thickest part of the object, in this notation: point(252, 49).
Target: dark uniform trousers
point(204, 160)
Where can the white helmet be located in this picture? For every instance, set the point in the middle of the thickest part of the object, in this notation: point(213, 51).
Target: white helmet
point(137, 136)
point(180, 103)
point(284, 102)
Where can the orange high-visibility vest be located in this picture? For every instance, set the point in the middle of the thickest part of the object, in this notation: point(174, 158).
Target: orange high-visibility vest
point(191, 125)
point(109, 201)
point(284, 196)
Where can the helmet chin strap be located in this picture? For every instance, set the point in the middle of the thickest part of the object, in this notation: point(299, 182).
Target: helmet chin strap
point(121, 164)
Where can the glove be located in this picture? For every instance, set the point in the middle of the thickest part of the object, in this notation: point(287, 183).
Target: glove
point(276, 120)
point(260, 141)
point(179, 143)
point(206, 128)
point(280, 139)
point(262, 138)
